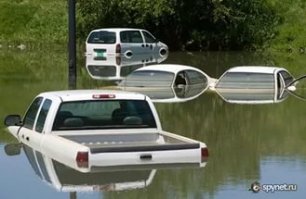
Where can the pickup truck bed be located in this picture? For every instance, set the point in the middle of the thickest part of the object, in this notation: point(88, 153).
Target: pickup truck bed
point(131, 142)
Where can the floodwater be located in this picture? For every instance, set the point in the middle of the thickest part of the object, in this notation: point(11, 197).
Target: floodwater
point(247, 143)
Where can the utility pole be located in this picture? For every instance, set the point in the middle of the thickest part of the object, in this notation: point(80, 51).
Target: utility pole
point(72, 72)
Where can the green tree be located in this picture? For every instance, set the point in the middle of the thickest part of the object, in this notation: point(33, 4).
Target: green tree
point(197, 24)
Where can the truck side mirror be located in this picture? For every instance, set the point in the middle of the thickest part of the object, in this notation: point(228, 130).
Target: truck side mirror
point(13, 120)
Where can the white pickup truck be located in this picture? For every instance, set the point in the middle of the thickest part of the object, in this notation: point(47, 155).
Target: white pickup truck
point(92, 127)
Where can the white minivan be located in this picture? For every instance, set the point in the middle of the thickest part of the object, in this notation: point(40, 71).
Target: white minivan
point(102, 43)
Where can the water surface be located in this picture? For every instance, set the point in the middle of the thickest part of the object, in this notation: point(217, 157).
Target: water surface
point(247, 143)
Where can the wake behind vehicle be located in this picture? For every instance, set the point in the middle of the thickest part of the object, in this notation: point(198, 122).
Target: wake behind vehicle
point(91, 127)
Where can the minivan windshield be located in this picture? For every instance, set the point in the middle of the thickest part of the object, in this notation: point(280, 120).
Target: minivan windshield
point(102, 37)
point(104, 114)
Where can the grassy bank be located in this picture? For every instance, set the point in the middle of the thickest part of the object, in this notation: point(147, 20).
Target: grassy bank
point(291, 33)
point(40, 22)
point(30, 22)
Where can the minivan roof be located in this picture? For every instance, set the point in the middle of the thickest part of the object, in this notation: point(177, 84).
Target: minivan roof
point(115, 29)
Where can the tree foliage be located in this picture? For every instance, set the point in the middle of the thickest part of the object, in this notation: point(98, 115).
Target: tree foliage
point(197, 24)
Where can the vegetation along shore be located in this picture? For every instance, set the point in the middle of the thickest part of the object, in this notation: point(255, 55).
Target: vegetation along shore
point(184, 25)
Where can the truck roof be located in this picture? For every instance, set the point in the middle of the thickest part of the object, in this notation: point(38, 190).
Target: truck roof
point(76, 95)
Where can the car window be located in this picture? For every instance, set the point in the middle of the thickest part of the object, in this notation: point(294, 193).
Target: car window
point(195, 77)
point(148, 37)
point(42, 115)
point(131, 36)
point(102, 71)
point(30, 116)
point(102, 37)
point(105, 114)
point(149, 78)
point(287, 77)
point(244, 80)
point(126, 70)
point(181, 79)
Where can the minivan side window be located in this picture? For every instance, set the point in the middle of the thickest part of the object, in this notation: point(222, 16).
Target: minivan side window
point(30, 116)
point(131, 36)
point(43, 115)
point(148, 37)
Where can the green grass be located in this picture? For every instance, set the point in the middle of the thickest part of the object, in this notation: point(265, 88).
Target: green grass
point(291, 36)
point(35, 21)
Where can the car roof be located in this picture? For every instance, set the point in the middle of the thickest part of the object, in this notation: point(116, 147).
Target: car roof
point(115, 29)
point(255, 69)
point(174, 68)
point(76, 95)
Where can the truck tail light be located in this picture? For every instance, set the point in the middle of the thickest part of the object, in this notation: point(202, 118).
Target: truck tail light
point(82, 159)
point(118, 48)
point(103, 96)
point(204, 153)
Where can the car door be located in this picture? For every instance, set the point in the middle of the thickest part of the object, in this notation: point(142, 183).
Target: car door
point(31, 132)
point(150, 42)
point(131, 42)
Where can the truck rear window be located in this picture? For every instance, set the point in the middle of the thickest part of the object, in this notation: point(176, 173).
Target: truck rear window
point(104, 114)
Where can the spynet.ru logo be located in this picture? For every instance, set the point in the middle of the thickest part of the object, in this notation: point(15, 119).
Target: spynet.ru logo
point(271, 188)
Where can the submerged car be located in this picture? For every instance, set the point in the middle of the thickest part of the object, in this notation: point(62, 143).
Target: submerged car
point(254, 84)
point(166, 75)
point(121, 41)
point(167, 83)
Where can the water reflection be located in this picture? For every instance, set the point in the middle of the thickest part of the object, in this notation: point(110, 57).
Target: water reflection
point(117, 67)
point(66, 177)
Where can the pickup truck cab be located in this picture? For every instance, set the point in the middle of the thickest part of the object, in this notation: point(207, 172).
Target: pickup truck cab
point(92, 127)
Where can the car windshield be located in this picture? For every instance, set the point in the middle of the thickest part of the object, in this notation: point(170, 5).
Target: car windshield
point(244, 80)
point(102, 37)
point(104, 114)
point(149, 78)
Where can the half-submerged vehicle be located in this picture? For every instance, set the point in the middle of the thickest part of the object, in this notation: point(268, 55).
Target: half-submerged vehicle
point(167, 83)
point(254, 84)
point(92, 127)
